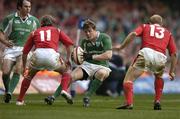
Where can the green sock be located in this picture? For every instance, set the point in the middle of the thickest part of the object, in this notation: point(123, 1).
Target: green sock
point(57, 92)
point(6, 80)
point(13, 82)
point(94, 85)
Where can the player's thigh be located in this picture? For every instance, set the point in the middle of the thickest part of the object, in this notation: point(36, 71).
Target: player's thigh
point(18, 66)
point(7, 66)
point(132, 74)
point(135, 69)
point(102, 74)
point(77, 74)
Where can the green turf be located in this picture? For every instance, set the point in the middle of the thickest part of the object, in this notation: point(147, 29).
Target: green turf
point(101, 108)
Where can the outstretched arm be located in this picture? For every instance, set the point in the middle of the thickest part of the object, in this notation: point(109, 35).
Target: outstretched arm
point(127, 40)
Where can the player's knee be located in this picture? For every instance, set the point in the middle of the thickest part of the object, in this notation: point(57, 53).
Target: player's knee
point(74, 76)
point(101, 74)
point(77, 75)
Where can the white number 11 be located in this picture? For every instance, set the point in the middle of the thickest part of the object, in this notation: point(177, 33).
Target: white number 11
point(48, 35)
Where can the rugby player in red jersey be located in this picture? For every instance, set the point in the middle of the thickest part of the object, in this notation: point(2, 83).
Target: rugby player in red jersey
point(152, 56)
point(45, 41)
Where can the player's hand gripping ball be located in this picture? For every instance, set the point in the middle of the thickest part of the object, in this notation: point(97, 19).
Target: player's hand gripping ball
point(77, 55)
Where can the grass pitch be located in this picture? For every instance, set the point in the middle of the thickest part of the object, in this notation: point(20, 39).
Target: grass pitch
point(100, 108)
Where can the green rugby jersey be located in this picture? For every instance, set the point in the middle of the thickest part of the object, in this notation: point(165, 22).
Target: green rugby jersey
point(17, 29)
point(102, 44)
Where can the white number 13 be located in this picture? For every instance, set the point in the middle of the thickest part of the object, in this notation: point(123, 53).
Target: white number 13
point(158, 34)
point(48, 35)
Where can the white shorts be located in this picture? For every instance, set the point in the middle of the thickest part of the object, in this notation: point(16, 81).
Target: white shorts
point(12, 53)
point(44, 58)
point(151, 60)
point(91, 69)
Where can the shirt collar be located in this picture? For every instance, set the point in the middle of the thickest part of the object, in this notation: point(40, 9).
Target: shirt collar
point(16, 15)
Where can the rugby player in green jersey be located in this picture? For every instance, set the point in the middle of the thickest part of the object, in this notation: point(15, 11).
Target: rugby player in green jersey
point(15, 29)
point(97, 53)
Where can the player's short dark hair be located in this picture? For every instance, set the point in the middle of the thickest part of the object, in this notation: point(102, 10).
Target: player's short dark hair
point(20, 3)
point(89, 24)
point(47, 20)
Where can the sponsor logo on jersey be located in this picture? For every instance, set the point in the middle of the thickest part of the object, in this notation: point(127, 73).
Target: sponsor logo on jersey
point(29, 22)
point(89, 44)
point(98, 44)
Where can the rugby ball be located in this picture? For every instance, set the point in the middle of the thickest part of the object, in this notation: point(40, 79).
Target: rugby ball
point(77, 55)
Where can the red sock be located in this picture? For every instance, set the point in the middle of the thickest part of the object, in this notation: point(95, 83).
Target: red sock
point(158, 85)
point(24, 86)
point(65, 81)
point(128, 92)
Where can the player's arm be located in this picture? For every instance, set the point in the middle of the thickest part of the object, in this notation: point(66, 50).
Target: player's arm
point(127, 40)
point(173, 57)
point(68, 53)
point(107, 45)
point(173, 63)
point(104, 56)
point(137, 32)
point(4, 40)
point(68, 44)
point(5, 28)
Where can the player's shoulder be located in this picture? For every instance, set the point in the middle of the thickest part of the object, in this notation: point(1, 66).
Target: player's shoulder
point(33, 17)
point(144, 25)
point(10, 16)
point(104, 36)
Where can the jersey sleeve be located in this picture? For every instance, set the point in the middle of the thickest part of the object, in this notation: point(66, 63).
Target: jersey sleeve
point(81, 43)
point(37, 23)
point(65, 39)
point(29, 44)
point(4, 24)
point(107, 43)
point(171, 46)
point(139, 30)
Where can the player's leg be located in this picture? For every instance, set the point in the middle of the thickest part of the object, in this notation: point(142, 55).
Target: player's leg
point(160, 61)
point(99, 76)
point(158, 87)
point(65, 83)
point(134, 71)
point(7, 65)
point(16, 75)
point(25, 85)
point(62, 88)
point(50, 99)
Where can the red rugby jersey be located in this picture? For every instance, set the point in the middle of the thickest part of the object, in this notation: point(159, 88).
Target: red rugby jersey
point(156, 37)
point(46, 37)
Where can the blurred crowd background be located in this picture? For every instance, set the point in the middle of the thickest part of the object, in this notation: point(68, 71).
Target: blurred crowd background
point(115, 17)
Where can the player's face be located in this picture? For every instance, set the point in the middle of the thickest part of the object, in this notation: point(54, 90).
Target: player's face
point(26, 7)
point(90, 33)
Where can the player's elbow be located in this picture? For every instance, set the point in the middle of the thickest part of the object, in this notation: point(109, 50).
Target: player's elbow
point(132, 35)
